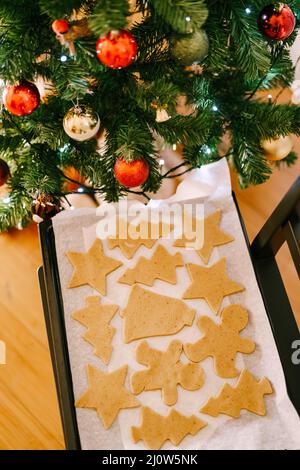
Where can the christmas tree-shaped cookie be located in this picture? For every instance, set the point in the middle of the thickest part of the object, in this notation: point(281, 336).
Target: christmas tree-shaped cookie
point(162, 265)
point(129, 237)
point(213, 236)
point(107, 394)
point(148, 314)
point(165, 371)
point(97, 317)
point(247, 394)
point(222, 341)
point(156, 429)
point(92, 267)
point(211, 283)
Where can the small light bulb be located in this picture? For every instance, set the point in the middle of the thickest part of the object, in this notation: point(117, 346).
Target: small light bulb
point(206, 149)
point(215, 108)
point(161, 162)
point(63, 58)
point(80, 190)
point(174, 147)
point(188, 18)
point(65, 147)
point(247, 11)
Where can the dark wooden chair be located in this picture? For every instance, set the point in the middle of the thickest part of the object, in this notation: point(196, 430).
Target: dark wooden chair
point(282, 226)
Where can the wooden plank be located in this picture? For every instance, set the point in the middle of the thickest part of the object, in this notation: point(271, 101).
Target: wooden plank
point(29, 417)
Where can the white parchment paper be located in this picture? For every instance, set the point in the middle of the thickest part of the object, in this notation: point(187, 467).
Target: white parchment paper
point(280, 429)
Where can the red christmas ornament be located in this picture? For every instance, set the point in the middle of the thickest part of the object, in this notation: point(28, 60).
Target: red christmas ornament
point(60, 26)
point(131, 174)
point(4, 172)
point(21, 99)
point(277, 21)
point(117, 49)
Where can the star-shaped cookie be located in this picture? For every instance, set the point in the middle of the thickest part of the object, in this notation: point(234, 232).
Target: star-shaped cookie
point(107, 394)
point(213, 236)
point(92, 267)
point(211, 284)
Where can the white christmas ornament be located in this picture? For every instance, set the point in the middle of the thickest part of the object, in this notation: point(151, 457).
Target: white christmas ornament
point(81, 123)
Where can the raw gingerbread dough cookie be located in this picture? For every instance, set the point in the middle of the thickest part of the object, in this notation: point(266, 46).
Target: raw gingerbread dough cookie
point(222, 341)
point(156, 429)
point(211, 284)
point(161, 265)
point(129, 245)
point(97, 317)
point(213, 236)
point(165, 372)
point(149, 314)
point(248, 394)
point(92, 267)
point(107, 394)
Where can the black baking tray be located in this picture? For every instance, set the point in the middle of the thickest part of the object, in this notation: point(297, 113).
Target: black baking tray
point(284, 328)
point(56, 331)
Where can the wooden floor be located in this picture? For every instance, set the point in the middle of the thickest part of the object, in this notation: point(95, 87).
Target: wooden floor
point(29, 417)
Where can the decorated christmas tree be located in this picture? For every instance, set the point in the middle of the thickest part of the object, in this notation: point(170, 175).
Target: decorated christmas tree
point(90, 88)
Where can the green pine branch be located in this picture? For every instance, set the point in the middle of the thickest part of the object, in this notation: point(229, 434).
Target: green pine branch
point(57, 9)
point(288, 161)
point(108, 15)
point(250, 162)
point(249, 47)
point(182, 15)
point(222, 93)
point(15, 210)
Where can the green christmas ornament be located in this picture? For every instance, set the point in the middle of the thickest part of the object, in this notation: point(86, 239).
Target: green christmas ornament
point(191, 49)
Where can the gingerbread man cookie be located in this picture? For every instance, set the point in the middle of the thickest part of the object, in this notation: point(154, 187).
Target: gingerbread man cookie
point(222, 341)
point(165, 371)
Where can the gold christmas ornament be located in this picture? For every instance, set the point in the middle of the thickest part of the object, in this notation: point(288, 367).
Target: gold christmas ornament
point(192, 48)
point(277, 149)
point(81, 123)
